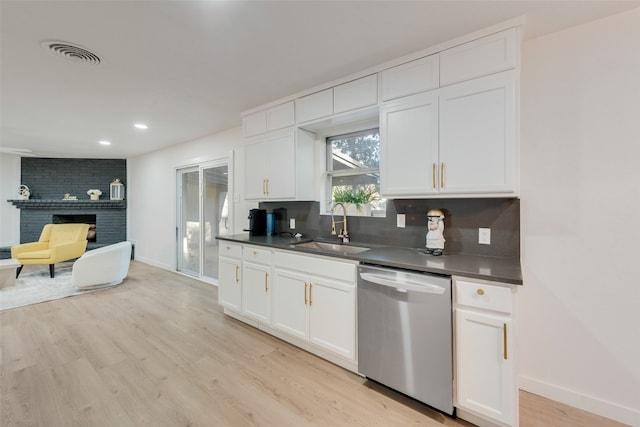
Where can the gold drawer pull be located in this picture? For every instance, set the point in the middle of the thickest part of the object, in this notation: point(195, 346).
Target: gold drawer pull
point(310, 295)
point(480, 291)
point(237, 274)
point(255, 253)
point(266, 282)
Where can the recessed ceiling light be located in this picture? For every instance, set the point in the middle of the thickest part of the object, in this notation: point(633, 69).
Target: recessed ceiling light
point(105, 143)
point(140, 126)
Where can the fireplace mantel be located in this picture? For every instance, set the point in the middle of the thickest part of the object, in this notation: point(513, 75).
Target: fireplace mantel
point(68, 204)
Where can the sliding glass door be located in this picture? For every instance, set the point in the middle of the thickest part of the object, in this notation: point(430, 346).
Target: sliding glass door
point(204, 211)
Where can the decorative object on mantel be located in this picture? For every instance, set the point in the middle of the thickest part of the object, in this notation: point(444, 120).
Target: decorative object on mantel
point(116, 190)
point(435, 235)
point(24, 192)
point(94, 194)
point(68, 196)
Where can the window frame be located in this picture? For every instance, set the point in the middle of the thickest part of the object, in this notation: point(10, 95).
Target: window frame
point(330, 173)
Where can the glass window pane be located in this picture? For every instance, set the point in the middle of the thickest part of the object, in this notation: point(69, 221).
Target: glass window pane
point(355, 151)
point(215, 215)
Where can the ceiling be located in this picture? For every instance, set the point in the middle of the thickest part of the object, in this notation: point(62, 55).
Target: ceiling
point(189, 68)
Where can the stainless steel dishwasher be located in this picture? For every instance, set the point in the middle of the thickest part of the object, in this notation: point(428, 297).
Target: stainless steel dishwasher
point(405, 333)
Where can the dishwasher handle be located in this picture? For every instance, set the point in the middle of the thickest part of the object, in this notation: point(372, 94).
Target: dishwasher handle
point(403, 284)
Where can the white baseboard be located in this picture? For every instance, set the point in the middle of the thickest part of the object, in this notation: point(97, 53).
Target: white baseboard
point(587, 403)
point(155, 264)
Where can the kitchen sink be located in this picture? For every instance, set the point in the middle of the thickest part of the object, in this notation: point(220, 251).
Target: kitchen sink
point(333, 247)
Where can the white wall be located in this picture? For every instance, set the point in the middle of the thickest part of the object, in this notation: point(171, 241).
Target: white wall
point(151, 193)
point(9, 187)
point(580, 303)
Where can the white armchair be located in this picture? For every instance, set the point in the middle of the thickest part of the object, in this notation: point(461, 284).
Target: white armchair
point(102, 267)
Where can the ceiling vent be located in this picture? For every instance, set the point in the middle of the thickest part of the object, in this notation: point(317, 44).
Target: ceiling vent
point(72, 52)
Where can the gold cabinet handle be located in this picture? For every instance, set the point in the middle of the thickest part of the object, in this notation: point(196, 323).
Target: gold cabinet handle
point(228, 248)
point(267, 187)
point(310, 294)
point(305, 293)
point(504, 339)
point(442, 175)
point(264, 187)
point(480, 291)
point(255, 253)
point(237, 274)
point(266, 282)
point(433, 175)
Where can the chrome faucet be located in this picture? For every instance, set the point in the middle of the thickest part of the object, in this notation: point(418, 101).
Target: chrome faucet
point(344, 234)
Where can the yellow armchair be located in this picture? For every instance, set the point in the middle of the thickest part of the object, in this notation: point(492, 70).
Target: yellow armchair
point(57, 243)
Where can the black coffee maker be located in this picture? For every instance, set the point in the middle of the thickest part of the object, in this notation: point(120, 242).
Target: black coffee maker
point(257, 222)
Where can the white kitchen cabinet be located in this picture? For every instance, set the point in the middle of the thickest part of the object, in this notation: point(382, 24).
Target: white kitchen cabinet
point(315, 300)
point(409, 146)
point(270, 119)
point(279, 166)
point(477, 136)
point(355, 94)
point(256, 283)
point(457, 140)
point(485, 349)
point(230, 276)
point(487, 55)
point(410, 78)
point(314, 106)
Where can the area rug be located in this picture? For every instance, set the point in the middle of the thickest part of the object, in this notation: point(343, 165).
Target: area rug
point(37, 286)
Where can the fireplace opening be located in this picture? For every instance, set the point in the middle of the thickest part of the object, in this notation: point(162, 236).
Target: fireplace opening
point(78, 219)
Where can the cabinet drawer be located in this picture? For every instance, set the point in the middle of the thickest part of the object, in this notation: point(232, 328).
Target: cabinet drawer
point(314, 106)
point(477, 58)
point(356, 94)
point(230, 250)
point(257, 255)
point(484, 296)
point(413, 77)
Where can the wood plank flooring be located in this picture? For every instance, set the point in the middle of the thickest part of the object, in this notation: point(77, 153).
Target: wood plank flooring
point(158, 351)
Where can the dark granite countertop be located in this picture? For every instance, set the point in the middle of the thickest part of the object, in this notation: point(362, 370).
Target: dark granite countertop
point(473, 266)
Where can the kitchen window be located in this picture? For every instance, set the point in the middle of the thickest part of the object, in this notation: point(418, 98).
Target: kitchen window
point(353, 170)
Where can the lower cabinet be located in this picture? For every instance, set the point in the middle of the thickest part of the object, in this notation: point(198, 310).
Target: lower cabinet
point(316, 309)
point(486, 386)
point(229, 276)
point(256, 283)
point(307, 300)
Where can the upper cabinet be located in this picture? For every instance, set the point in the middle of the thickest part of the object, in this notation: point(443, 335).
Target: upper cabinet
point(273, 118)
point(315, 106)
point(279, 166)
point(459, 139)
point(346, 97)
point(355, 94)
point(448, 124)
point(410, 78)
point(481, 57)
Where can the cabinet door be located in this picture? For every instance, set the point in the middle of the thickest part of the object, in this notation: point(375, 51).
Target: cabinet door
point(332, 309)
point(290, 303)
point(485, 370)
point(477, 135)
point(281, 158)
point(229, 283)
point(413, 77)
point(256, 169)
point(409, 146)
point(314, 106)
point(256, 291)
point(255, 123)
point(356, 94)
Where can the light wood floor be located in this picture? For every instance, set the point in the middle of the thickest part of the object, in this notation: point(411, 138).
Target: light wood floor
point(158, 351)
